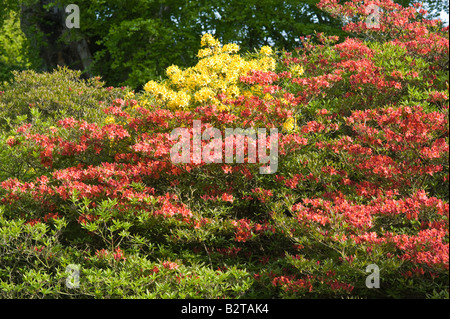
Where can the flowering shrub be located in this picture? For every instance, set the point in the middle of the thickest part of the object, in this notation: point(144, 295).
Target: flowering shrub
point(42, 99)
point(216, 75)
point(362, 179)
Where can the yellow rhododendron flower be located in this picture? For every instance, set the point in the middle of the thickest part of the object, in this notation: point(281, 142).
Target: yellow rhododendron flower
point(297, 70)
point(204, 95)
point(268, 97)
point(267, 63)
point(217, 72)
point(266, 50)
point(230, 48)
point(233, 91)
point(221, 107)
point(209, 40)
point(180, 100)
point(247, 93)
point(204, 53)
point(110, 120)
point(173, 69)
point(129, 95)
point(289, 125)
point(151, 86)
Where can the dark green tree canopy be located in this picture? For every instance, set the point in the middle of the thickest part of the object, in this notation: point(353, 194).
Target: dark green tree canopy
point(130, 42)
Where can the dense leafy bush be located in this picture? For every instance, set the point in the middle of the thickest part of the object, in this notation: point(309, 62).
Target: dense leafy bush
point(61, 93)
point(362, 179)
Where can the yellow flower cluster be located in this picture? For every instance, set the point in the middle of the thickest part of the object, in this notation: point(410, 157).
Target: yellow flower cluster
point(110, 120)
point(129, 95)
point(297, 70)
point(289, 125)
point(217, 72)
point(266, 50)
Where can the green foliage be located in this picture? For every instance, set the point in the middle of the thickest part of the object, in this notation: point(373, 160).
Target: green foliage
point(125, 38)
point(132, 38)
point(13, 55)
point(34, 258)
point(61, 93)
point(19, 163)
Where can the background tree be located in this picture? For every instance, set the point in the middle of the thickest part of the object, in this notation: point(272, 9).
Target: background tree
point(130, 42)
point(13, 47)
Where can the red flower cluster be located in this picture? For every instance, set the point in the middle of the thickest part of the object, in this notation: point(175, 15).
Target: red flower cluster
point(246, 229)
